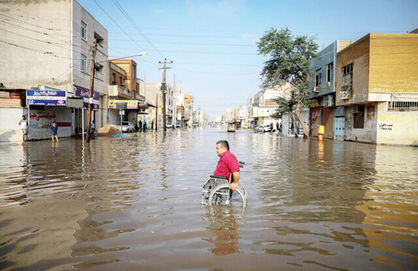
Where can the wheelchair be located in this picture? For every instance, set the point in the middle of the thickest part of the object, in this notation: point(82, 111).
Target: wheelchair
point(216, 191)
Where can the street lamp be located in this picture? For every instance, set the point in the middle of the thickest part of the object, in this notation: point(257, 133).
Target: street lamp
point(107, 60)
point(92, 83)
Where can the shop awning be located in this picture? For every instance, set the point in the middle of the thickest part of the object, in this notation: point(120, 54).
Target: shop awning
point(127, 104)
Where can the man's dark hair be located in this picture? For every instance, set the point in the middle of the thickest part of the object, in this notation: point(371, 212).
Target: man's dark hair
point(223, 143)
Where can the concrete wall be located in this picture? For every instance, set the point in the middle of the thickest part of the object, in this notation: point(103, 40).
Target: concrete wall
point(396, 127)
point(29, 57)
point(393, 63)
point(368, 133)
point(358, 55)
point(10, 129)
point(83, 46)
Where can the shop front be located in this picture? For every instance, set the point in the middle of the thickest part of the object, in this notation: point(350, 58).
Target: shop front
point(134, 111)
point(44, 107)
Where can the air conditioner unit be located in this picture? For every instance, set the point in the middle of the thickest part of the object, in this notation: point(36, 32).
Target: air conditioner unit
point(345, 95)
point(316, 89)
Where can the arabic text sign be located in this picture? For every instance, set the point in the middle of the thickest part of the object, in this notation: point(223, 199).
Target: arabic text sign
point(46, 97)
point(84, 93)
point(130, 104)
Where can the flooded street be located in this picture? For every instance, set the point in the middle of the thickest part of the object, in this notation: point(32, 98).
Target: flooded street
point(134, 204)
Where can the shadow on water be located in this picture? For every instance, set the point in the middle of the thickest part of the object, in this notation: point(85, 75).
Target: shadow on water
point(134, 203)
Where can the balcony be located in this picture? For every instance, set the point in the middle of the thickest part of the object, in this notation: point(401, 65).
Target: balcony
point(120, 91)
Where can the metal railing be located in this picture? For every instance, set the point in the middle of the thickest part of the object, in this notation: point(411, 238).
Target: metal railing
point(403, 102)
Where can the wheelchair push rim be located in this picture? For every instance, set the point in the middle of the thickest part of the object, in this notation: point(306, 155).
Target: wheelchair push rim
point(221, 195)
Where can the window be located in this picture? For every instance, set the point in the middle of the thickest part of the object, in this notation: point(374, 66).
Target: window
point(318, 78)
point(114, 79)
point(98, 69)
point(348, 75)
point(358, 117)
point(99, 39)
point(83, 63)
point(330, 71)
point(83, 30)
point(121, 81)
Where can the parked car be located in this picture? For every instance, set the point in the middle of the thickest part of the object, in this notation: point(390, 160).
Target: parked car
point(127, 127)
point(263, 128)
point(169, 125)
point(178, 125)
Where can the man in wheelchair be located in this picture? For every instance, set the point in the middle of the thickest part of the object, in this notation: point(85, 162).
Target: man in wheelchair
point(227, 164)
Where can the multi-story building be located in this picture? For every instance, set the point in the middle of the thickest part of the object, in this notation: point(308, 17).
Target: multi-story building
point(46, 50)
point(322, 93)
point(124, 92)
point(377, 83)
point(264, 104)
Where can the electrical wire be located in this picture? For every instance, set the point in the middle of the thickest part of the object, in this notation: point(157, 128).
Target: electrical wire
point(135, 25)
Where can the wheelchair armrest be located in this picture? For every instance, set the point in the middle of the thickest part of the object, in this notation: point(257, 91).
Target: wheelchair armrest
point(218, 177)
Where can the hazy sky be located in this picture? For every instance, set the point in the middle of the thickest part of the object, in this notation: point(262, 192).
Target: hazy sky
point(213, 43)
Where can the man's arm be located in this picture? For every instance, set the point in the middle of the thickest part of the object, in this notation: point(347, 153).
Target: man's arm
point(235, 178)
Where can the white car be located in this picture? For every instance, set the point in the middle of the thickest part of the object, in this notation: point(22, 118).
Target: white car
point(127, 127)
point(263, 128)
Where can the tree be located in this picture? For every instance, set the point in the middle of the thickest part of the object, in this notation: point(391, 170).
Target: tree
point(289, 58)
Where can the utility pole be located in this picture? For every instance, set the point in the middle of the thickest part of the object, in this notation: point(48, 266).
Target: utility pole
point(93, 64)
point(156, 112)
point(164, 89)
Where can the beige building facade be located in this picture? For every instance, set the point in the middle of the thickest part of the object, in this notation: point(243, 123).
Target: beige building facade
point(377, 83)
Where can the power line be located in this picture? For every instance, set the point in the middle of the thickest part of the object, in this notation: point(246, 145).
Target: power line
point(135, 25)
point(114, 21)
point(35, 39)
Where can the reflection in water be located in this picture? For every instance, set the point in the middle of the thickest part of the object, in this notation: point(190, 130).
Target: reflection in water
point(134, 203)
point(224, 226)
point(390, 208)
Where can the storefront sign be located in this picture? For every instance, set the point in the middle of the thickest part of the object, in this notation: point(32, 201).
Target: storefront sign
point(85, 94)
point(46, 97)
point(130, 104)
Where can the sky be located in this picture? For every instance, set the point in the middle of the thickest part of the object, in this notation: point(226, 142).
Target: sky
point(213, 44)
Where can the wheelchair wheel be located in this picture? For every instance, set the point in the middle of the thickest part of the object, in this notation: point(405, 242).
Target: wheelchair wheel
point(220, 195)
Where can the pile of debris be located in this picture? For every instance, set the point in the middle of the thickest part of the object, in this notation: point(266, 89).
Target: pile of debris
point(109, 129)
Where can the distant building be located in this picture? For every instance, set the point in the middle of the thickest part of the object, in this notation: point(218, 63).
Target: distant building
point(264, 104)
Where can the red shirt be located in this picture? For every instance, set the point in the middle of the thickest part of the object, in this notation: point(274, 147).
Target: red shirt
point(227, 164)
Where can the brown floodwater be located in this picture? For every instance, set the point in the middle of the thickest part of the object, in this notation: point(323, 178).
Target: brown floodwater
point(134, 204)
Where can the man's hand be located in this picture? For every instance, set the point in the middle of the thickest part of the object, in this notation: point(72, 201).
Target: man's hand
point(235, 178)
point(233, 186)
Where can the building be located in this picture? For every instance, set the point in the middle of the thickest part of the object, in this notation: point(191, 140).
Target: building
point(322, 93)
point(264, 104)
point(377, 83)
point(46, 50)
point(124, 92)
point(154, 99)
point(188, 110)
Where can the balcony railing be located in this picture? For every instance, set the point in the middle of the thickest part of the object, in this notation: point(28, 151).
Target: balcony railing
point(116, 90)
